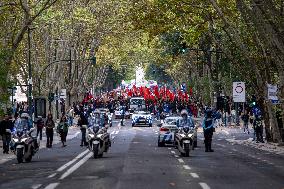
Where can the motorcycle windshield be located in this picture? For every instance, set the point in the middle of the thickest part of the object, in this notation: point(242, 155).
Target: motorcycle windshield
point(23, 125)
point(96, 129)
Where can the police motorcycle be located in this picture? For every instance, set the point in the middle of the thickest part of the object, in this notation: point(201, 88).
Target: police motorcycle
point(98, 138)
point(184, 140)
point(24, 142)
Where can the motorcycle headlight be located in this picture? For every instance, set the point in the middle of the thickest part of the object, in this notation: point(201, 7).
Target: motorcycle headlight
point(15, 140)
point(91, 135)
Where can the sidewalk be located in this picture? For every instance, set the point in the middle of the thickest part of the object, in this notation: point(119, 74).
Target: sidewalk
point(73, 132)
point(268, 147)
point(235, 135)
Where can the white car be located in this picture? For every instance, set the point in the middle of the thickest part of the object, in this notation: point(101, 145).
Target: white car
point(142, 118)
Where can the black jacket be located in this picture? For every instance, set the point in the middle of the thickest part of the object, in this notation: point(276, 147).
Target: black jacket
point(5, 124)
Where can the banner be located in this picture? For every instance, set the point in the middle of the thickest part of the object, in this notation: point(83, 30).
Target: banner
point(239, 92)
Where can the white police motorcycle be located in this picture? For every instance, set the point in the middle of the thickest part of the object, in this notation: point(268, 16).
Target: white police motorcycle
point(98, 140)
point(184, 140)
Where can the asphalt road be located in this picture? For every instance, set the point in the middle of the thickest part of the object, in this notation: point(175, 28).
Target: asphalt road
point(135, 162)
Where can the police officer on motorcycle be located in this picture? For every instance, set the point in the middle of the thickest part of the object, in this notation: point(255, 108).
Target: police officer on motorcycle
point(186, 120)
point(208, 129)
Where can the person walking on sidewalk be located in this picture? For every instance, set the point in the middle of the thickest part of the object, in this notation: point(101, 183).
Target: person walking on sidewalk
point(39, 126)
point(208, 129)
point(49, 125)
point(62, 129)
point(83, 124)
point(258, 129)
point(70, 116)
point(6, 128)
point(245, 118)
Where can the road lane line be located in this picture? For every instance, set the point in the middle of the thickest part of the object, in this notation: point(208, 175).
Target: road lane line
point(36, 186)
point(194, 175)
point(71, 162)
point(186, 167)
point(181, 160)
point(112, 132)
point(173, 152)
point(76, 166)
point(204, 185)
point(176, 156)
point(116, 132)
point(169, 148)
point(52, 175)
point(52, 185)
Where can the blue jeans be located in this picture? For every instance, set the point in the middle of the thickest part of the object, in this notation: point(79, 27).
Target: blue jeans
point(71, 121)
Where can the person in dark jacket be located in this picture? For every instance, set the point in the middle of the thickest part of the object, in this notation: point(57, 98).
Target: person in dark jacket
point(83, 124)
point(39, 126)
point(49, 125)
point(208, 130)
point(62, 129)
point(6, 128)
point(245, 118)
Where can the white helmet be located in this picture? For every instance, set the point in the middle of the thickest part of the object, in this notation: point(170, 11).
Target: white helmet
point(184, 112)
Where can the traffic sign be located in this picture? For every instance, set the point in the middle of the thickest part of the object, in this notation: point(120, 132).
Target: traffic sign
point(239, 92)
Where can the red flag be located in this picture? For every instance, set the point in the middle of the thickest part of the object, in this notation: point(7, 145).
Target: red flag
point(190, 91)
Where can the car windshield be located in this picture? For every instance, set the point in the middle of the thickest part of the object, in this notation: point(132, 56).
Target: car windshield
point(137, 102)
point(142, 113)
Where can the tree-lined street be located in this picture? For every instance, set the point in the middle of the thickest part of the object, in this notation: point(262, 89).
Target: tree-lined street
point(93, 91)
point(135, 161)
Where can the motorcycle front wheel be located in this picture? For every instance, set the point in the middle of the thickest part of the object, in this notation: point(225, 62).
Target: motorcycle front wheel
point(186, 149)
point(95, 151)
point(20, 154)
point(29, 159)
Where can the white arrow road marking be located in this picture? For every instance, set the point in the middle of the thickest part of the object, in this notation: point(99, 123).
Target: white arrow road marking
point(194, 175)
point(186, 167)
point(51, 185)
point(76, 166)
point(204, 185)
point(181, 160)
point(71, 162)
